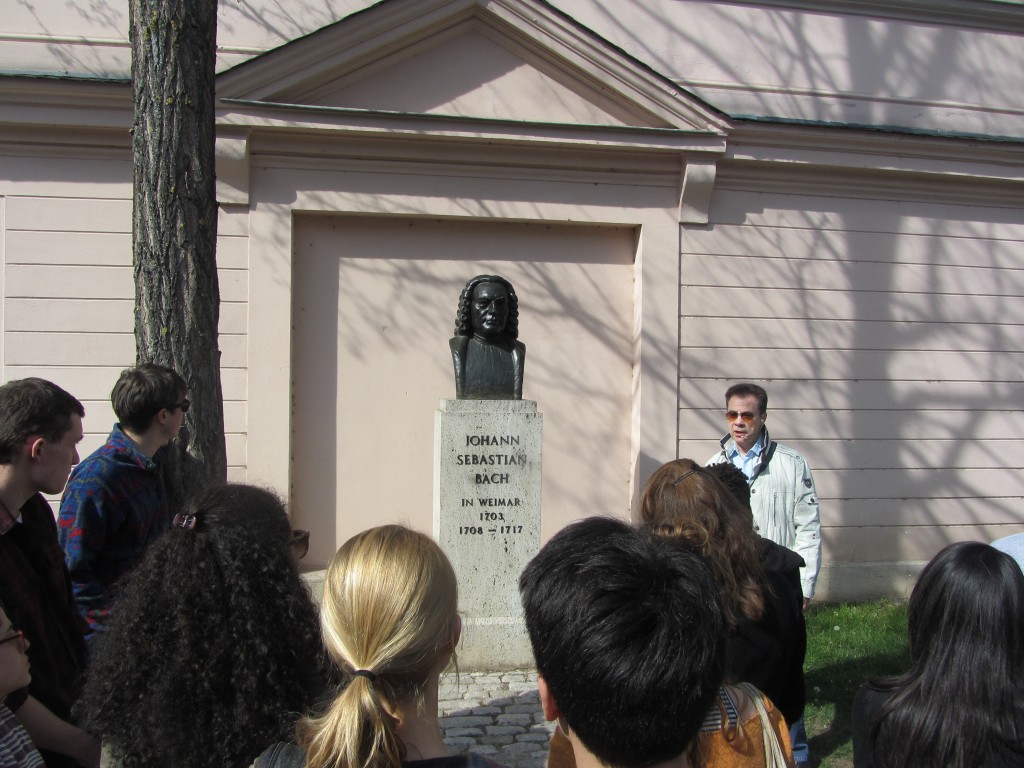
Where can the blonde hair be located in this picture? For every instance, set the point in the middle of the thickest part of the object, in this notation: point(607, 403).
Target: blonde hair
point(389, 612)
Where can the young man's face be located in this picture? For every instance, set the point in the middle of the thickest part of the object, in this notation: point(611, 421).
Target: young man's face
point(55, 459)
point(739, 410)
point(175, 417)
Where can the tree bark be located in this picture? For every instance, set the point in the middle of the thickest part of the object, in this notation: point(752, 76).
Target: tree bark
point(174, 223)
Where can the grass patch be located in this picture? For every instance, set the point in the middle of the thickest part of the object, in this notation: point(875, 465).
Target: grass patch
point(846, 644)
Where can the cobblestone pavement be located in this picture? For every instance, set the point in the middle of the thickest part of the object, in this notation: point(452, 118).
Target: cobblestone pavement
point(495, 714)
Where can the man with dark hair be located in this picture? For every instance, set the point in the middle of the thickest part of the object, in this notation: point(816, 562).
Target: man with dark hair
point(734, 480)
point(627, 633)
point(40, 428)
point(115, 503)
point(783, 500)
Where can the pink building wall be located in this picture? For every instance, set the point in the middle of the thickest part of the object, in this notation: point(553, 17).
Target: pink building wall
point(841, 223)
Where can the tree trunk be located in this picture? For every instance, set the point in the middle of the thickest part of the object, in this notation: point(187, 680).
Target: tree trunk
point(174, 223)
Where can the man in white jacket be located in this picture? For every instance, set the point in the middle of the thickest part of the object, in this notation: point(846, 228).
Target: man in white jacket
point(782, 496)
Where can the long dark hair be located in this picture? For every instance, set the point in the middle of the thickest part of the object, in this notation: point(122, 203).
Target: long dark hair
point(958, 702)
point(213, 649)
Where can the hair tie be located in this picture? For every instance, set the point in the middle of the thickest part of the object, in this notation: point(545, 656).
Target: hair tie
point(371, 676)
point(188, 522)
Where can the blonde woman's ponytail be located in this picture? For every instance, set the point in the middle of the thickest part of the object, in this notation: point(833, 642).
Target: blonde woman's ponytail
point(355, 732)
point(389, 606)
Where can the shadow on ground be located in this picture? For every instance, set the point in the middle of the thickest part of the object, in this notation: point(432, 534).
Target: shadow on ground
point(831, 688)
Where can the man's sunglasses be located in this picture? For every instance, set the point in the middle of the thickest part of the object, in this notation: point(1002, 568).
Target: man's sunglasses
point(184, 405)
point(747, 416)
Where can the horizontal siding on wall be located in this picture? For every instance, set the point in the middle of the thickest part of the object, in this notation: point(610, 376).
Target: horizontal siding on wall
point(100, 282)
point(821, 218)
point(111, 249)
point(100, 415)
point(855, 334)
point(867, 453)
point(888, 337)
point(69, 301)
point(880, 545)
point(924, 483)
point(861, 395)
point(796, 426)
point(840, 304)
point(790, 234)
point(903, 513)
point(820, 273)
point(103, 175)
point(69, 214)
point(95, 382)
point(104, 316)
point(773, 362)
point(232, 252)
point(104, 349)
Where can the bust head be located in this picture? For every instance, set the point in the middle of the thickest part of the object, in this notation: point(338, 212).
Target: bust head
point(488, 309)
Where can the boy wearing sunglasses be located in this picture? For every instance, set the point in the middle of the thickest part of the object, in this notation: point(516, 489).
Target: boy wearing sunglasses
point(115, 503)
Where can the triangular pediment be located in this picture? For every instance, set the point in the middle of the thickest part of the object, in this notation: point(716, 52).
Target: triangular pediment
point(507, 60)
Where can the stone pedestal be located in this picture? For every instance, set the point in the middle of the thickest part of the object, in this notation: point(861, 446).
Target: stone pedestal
point(487, 482)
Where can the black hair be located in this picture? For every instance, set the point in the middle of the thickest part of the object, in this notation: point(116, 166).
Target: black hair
point(746, 389)
point(213, 649)
point(464, 315)
point(627, 632)
point(958, 702)
point(732, 477)
point(143, 391)
point(33, 407)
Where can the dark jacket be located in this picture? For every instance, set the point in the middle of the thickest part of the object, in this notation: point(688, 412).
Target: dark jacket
point(770, 652)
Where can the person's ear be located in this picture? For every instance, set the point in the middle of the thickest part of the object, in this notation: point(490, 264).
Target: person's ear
point(547, 700)
point(35, 447)
point(456, 631)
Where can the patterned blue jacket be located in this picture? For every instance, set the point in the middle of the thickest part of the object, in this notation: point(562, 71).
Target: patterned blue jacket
point(114, 505)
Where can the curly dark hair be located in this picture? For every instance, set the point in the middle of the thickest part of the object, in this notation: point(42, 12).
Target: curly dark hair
point(732, 477)
point(463, 318)
point(213, 649)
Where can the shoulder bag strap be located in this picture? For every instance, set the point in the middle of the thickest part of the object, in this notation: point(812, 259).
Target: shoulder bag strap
point(773, 754)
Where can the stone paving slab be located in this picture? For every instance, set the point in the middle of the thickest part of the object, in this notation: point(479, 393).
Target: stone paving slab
point(495, 714)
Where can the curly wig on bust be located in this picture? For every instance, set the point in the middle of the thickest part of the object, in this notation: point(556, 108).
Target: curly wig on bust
point(213, 649)
point(682, 499)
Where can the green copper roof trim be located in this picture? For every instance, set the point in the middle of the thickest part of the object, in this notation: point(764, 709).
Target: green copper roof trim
point(110, 79)
point(897, 129)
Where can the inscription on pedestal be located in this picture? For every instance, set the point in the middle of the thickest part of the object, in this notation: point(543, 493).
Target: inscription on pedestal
point(487, 484)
